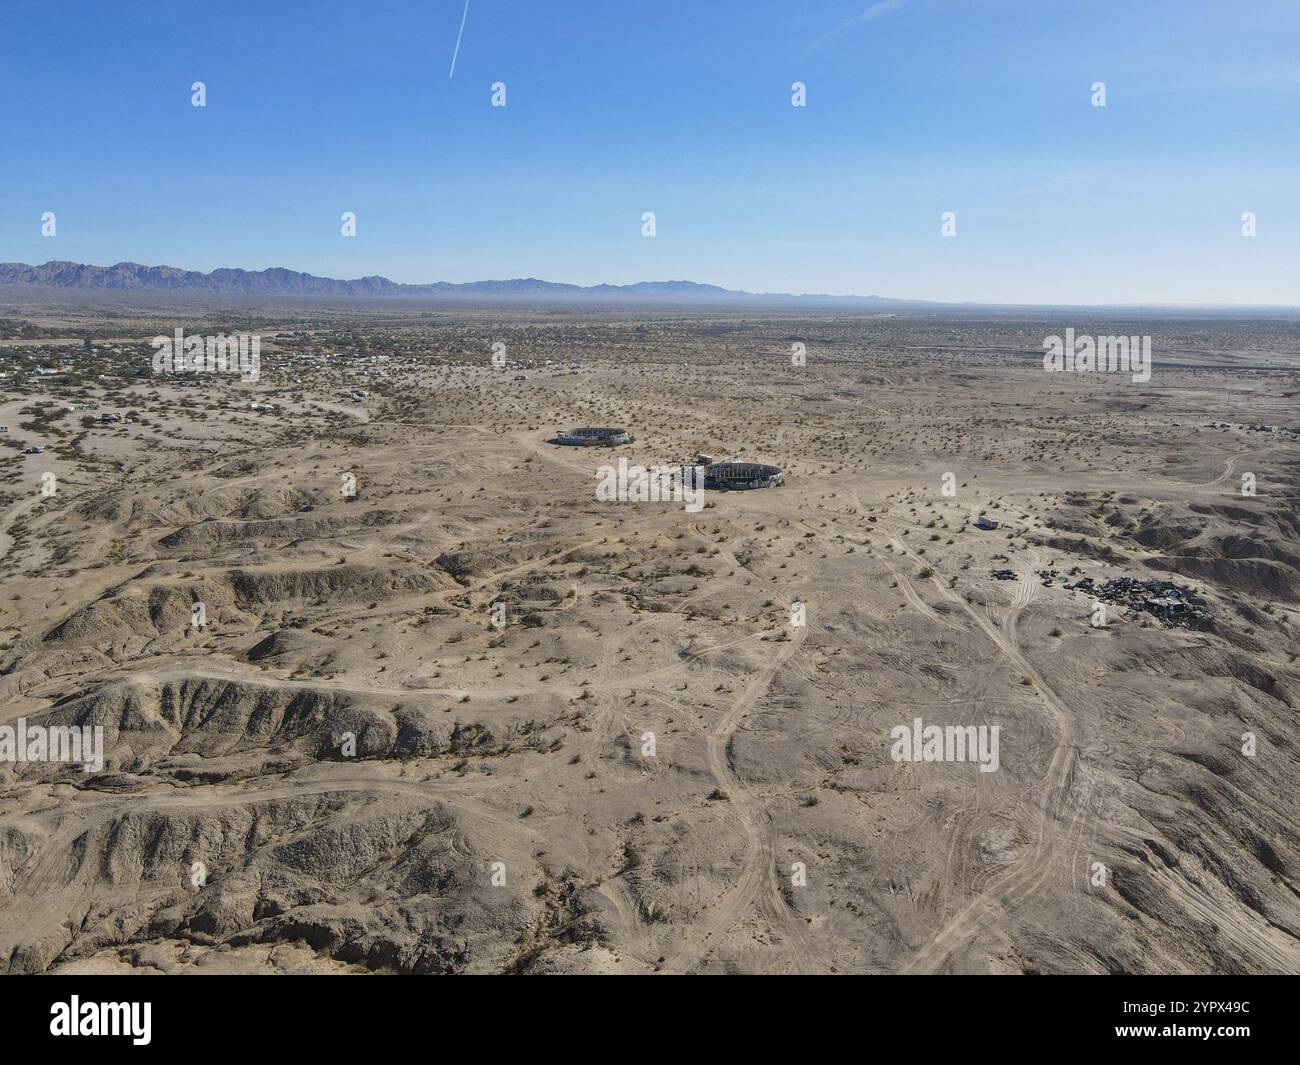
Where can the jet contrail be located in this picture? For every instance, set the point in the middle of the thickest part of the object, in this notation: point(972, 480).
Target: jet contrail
point(875, 11)
point(454, 54)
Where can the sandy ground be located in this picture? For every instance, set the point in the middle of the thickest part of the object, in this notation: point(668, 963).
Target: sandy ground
point(652, 766)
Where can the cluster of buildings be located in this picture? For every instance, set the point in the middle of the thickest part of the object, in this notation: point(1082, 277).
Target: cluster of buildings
point(1256, 428)
point(735, 475)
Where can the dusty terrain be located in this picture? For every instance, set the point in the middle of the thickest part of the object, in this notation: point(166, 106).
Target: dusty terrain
point(648, 767)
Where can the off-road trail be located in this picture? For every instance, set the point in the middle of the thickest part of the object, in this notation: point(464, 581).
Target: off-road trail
point(758, 881)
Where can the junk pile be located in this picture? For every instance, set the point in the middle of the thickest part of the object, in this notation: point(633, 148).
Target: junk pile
point(1173, 606)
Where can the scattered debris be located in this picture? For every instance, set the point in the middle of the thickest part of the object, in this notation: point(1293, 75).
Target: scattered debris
point(1174, 606)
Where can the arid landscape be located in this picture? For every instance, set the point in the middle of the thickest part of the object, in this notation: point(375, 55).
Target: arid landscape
point(384, 686)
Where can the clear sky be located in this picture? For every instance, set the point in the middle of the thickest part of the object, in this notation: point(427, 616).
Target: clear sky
point(680, 107)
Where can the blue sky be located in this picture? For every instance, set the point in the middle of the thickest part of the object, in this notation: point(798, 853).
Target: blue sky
point(914, 108)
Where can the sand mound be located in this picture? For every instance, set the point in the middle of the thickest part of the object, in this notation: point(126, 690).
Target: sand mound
point(166, 725)
point(1239, 577)
point(188, 505)
point(395, 885)
point(223, 532)
point(147, 610)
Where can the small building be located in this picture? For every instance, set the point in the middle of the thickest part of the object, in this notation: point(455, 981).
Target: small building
point(985, 522)
point(738, 476)
point(594, 437)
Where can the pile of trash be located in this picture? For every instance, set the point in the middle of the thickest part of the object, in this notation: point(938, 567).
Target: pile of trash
point(1174, 606)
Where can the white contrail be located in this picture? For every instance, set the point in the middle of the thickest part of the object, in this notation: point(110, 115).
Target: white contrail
point(454, 54)
point(875, 11)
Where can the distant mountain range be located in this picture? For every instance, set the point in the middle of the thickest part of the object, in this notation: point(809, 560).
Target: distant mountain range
point(277, 281)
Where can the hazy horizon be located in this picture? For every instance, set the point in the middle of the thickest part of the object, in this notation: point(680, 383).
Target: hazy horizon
point(741, 298)
point(913, 109)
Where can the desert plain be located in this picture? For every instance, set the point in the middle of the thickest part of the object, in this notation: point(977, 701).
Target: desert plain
point(443, 710)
